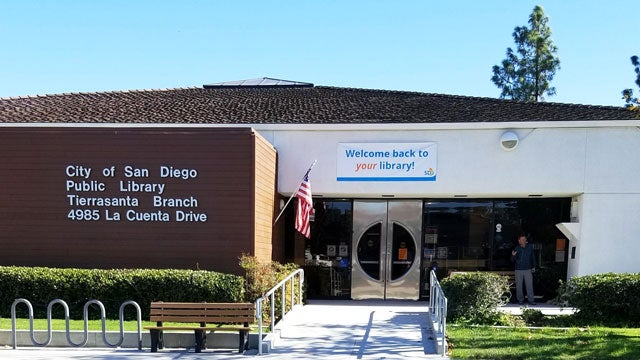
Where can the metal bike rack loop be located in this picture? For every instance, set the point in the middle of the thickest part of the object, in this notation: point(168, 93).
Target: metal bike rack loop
point(66, 316)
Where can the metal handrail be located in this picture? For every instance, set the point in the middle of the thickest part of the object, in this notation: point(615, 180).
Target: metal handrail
point(271, 296)
point(438, 312)
point(68, 330)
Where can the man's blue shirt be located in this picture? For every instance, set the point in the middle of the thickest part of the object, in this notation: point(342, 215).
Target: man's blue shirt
point(524, 257)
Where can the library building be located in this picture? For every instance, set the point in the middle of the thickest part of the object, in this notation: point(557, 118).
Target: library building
point(400, 183)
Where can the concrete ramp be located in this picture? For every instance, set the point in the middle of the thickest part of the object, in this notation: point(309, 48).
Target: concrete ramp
point(362, 329)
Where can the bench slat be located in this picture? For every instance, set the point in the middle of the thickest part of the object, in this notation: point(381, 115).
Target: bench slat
point(205, 319)
point(205, 328)
point(173, 305)
point(207, 312)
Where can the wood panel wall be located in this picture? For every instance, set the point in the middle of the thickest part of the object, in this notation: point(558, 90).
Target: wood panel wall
point(36, 230)
point(265, 197)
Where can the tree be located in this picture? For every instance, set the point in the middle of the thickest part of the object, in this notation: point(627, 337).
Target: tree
point(627, 94)
point(525, 74)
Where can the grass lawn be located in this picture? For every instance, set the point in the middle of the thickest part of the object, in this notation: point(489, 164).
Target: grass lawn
point(94, 325)
point(469, 342)
point(484, 342)
point(59, 324)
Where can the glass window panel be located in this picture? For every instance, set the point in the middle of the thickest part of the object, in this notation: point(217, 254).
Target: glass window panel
point(463, 232)
point(404, 251)
point(328, 252)
point(369, 251)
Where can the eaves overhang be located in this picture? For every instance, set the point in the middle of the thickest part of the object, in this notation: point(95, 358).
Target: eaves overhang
point(358, 126)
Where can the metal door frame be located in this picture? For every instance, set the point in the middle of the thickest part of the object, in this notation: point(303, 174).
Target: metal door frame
point(368, 213)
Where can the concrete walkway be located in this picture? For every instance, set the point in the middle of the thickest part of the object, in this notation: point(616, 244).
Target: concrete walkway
point(357, 330)
point(321, 329)
point(546, 309)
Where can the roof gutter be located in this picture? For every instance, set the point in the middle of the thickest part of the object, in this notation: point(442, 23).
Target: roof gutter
point(358, 126)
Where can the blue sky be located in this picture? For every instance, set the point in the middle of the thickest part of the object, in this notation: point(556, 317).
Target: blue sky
point(59, 46)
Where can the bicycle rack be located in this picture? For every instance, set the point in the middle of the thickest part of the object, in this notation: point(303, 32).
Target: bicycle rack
point(66, 316)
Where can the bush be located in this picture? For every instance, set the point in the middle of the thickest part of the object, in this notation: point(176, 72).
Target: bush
point(533, 317)
point(473, 297)
point(112, 287)
point(604, 299)
point(262, 277)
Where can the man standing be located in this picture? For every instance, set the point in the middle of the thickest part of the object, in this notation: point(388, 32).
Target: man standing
point(524, 259)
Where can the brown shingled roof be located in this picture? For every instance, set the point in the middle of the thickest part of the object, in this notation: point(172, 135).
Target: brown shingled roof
point(290, 105)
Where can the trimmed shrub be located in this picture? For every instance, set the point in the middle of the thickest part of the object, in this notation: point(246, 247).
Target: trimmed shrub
point(262, 277)
point(112, 287)
point(605, 299)
point(473, 297)
point(533, 317)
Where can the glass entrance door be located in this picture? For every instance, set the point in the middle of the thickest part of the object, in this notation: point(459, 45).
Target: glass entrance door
point(385, 261)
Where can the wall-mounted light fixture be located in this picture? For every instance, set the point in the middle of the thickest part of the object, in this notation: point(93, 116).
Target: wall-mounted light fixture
point(509, 140)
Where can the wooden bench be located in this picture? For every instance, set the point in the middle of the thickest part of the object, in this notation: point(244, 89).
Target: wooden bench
point(240, 315)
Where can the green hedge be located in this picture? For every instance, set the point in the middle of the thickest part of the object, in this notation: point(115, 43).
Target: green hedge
point(112, 287)
point(607, 299)
point(473, 297)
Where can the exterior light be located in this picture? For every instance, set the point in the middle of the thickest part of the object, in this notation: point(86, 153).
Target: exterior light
point(509, 140)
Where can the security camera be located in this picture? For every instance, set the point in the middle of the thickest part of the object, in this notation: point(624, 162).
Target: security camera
point(509, 140)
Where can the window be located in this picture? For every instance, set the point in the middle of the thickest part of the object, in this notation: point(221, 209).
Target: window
point(479, 234)
point(328, 252)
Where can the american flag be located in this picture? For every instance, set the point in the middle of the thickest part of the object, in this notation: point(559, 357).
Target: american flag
point(305, 206)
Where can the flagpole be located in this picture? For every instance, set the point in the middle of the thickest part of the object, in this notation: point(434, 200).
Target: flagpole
point(294, 193)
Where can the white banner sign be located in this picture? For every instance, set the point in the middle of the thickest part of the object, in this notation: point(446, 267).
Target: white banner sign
point(386, 162)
